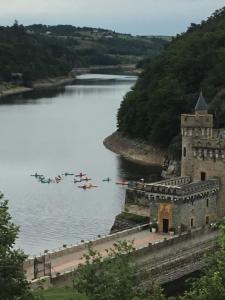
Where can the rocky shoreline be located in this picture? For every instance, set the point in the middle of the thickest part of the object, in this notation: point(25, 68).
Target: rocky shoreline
point(136, 151)
point(38, 85)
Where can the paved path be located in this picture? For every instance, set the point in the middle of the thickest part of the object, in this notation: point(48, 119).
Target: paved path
point(70, 261)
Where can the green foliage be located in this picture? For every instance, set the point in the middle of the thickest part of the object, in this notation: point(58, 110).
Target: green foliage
point(107, 278)
point(170, 84)
point(35, 56)
point(40, 51)
point(113, 276)
point(66, 293)
point(116, 277)
point(212, 284)
point(13, 284)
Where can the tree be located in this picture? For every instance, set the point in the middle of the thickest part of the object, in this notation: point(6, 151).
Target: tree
point(13, 284)
point(211, 285)
point(171, 82)
point(112, 277)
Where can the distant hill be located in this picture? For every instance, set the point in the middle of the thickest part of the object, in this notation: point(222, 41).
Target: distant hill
point(40, 51)
point(170, 83)
point(97, 46)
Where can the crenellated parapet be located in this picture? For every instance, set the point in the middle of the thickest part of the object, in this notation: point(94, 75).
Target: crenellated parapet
point(161, 192)
point(197, 126)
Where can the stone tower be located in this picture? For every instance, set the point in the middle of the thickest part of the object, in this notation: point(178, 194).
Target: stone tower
point(203, 149)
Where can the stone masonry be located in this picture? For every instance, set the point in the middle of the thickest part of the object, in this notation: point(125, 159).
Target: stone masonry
point(196, 199)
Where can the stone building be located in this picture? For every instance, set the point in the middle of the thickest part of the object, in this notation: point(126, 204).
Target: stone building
point(197, 198)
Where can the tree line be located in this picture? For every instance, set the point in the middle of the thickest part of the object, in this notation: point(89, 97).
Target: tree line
point(171, 83)
point(40, 51)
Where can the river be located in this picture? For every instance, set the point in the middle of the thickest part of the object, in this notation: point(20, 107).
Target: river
point(52, 132)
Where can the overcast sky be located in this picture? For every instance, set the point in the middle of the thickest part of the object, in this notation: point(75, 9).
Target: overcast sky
point(166, 17)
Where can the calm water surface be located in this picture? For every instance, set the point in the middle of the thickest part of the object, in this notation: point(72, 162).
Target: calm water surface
point(53, 132)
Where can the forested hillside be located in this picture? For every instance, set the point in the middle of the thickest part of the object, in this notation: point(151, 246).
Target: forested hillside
point(97, 46)
point(170, 84)
point(41, 51)
point(35, 56)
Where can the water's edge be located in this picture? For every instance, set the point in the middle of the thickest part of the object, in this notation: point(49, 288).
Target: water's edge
point(38, 85)
point(135, 150)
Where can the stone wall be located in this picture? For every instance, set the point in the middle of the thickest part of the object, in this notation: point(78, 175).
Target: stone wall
point(212, 169)
point(196, 121)
point(163, 261)
point(203, 151)
point(197, 210)
point(136, 197)
point(178, 204)
point(64, 251)
point(175, 257)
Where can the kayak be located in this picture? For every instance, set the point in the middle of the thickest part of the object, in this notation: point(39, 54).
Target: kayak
point(122, 182)
point(106, 179)
point(84, 187)
point(85, 179)
point(80, 175)
point(36, 175)
point(92, 185)
point(58, 179)
point(68, 174)
point(46, 181)
point(75, 180)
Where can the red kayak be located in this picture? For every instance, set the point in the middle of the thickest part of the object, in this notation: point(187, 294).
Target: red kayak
point(80, 175)
point(122, 182)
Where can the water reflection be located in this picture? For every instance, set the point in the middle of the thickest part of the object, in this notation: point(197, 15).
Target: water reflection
point(130, 171)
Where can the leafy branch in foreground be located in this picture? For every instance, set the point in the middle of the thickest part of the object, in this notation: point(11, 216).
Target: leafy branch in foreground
point(13, 284)
point(111, 275)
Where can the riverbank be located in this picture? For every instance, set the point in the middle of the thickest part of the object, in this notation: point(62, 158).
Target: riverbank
point(11, 89)
point(136, 151)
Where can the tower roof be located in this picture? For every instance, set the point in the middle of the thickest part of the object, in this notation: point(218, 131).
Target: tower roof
point(201, 103)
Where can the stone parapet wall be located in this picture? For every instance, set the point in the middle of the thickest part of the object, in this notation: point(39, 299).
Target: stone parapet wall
point(186, 239)
point(178, 181)
point(190, 121)
point(163, 261)
point(70, 249)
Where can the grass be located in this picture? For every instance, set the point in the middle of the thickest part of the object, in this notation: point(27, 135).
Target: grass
point(65, 293)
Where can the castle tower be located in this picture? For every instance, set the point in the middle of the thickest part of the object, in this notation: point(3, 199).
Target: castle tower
point(195, 127)
point(203, 149)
